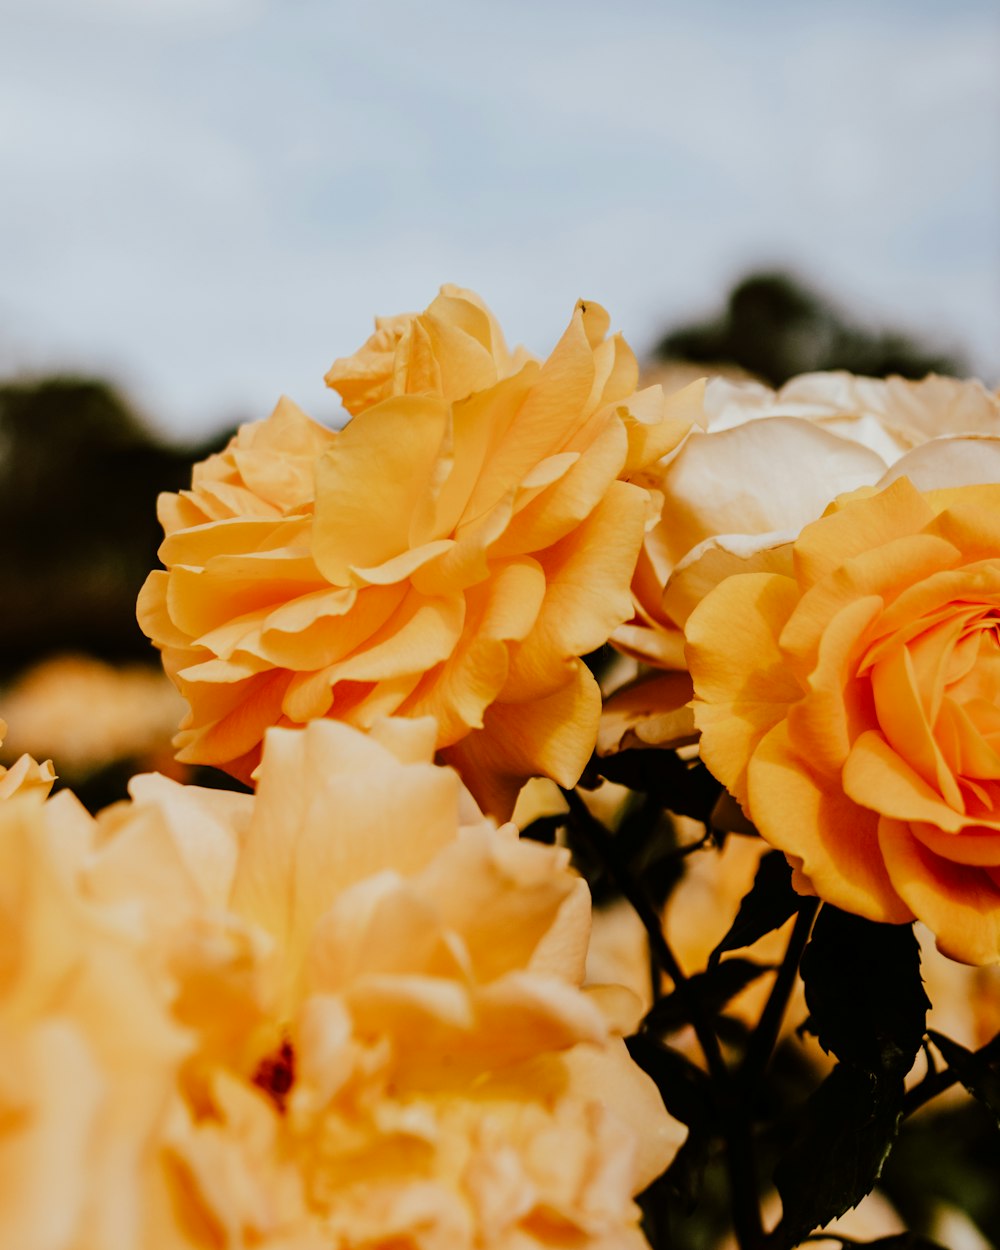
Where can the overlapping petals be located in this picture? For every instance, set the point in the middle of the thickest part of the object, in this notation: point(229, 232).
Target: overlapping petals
point(88, 1051)
point(850, 703)
point(25, 775)
point(761, 464)
point(451, 552)
point(453, 348)
point(344, 1011)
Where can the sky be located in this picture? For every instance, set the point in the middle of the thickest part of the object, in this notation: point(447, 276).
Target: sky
point(209, 200)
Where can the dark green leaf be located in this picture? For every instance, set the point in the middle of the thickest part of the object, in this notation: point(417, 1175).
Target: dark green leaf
point(979, 1077)
point(543, 829)
point(684, 1087)
point(728, 817)
point(770, 902)
point(682, 786)
point(714, 988)
point(864, 993)
point(684, 1176)
point(697, 797)
point(843, 1138)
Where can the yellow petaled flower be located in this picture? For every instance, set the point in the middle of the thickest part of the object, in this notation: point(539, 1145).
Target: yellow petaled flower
point(451, 552)
point(761, 464)
point(850, 702)
point(454, 348)
point(345, 1011)
point(89, 1055)
point(88, 714)
point(25, 775)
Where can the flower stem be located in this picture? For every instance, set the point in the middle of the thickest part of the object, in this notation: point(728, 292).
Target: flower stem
point(730, 1103)
point(766, 1033)
point(935, 1083)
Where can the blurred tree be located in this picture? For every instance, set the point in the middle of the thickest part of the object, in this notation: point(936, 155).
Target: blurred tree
point(79, 476)
point(774, 326)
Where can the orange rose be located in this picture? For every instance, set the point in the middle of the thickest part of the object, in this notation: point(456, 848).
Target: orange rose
point(453, 348)
point(451, 552)
point(759, 464)
point(850, 703)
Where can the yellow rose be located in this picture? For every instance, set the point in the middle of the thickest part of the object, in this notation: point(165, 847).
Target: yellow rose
point(343, 1011)
point(760, 464)
point(850, 703)
point(25, 775)
point(89, 714)
point(451, 552)
point(453, 348)
point(89, 1055)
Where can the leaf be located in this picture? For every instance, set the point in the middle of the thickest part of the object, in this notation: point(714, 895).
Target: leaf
point(842, 1140)
point(868, 1007)
point(770, 902)
point(681, 786)
point(714, 987)
point(684, 1087)
point(685, 1175)
point(864, 993)
point(728, 817)
point(544, 829)
point(979, 1077)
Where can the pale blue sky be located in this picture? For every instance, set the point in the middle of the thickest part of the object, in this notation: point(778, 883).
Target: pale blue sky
point(210, 199)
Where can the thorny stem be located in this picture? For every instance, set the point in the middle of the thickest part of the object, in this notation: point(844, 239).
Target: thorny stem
point(935, 1083)
point(730, 1103)
point(765, 1035)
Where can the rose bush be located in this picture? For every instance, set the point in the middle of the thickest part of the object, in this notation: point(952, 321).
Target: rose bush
point(344, 1011)
point(759, 464)
point(850, 702)
point(451, 552)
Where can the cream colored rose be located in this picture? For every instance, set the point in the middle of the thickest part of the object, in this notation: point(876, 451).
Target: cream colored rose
point(765, 463)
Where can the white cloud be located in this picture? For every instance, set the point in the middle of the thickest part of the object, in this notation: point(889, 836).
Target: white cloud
point(216, 198)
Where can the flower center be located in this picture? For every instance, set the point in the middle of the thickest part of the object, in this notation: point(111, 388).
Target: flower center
point(275, 1074)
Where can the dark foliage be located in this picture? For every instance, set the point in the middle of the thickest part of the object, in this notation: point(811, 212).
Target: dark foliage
point(775, 326)
point(79, 477)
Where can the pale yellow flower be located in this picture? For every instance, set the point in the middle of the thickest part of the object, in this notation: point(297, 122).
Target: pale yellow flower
point(88, 1052)
point(86, 713)
point(345, 1011)
point(452, 552)
point(25, 774)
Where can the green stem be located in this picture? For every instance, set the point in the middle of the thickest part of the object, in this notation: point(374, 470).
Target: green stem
point(935, 1083)
point(765, 1035)
point(730, 1103)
